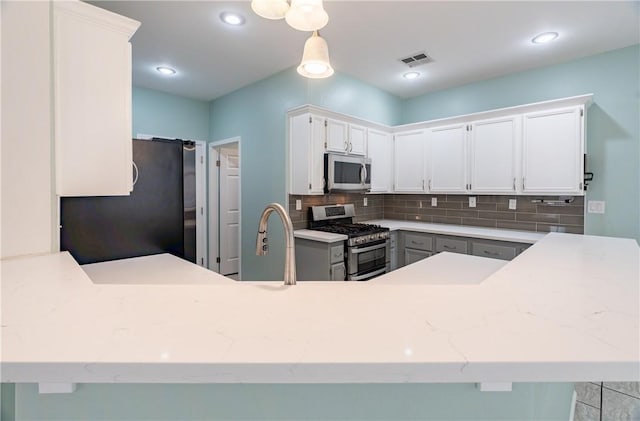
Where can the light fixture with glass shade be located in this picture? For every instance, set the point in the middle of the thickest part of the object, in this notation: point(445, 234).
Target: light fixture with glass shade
point(303, 15)
point(270, 9)
point(315, 59)
point(306, 15)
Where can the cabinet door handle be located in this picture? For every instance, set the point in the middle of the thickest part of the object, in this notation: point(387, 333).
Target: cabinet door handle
point(490, 253)
point(417, 243)
point(346, 146)
point(523, 185)
point(350, 147)
point(514, 184)
point(429, 184)
point(449, 247)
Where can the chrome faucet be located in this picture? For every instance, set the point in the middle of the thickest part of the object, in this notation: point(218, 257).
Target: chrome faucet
point(262, 244)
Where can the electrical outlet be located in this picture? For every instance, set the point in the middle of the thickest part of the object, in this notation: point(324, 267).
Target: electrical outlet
point(512, 204)
point(472, 202)
point(420, 204)
point(595, 206)
point(434, 202)
point(364, 202)
point(298, 204)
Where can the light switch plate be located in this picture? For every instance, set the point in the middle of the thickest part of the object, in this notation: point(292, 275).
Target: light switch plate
point(434, 202)
point(472, 202)
point(595, 206)
point(364, 202)
point(512, 204)
point(298, 204)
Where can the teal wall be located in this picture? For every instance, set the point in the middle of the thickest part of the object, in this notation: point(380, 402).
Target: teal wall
point(613, 123)
point(537, 401)
point(166, 115)
point(257, 114)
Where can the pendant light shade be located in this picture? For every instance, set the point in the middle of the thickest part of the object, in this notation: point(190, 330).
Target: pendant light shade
point(315, 59)
point(270, 9)
point(306, 15)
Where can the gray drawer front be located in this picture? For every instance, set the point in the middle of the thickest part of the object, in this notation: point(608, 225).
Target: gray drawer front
point(492, 250)
point(451, 245)
point(337, 253)
point(418, 241)
point(412, 256)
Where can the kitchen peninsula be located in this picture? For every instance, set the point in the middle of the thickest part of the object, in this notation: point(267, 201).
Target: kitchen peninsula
point(565, 310)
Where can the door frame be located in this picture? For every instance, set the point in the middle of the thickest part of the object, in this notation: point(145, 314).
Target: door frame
point(202, 239)
point(214, 203)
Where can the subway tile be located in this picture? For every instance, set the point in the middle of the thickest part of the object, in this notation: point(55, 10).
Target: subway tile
point(462, 213)
point(521, 206)
point(479, 222)
point(618, 406)
point(513, 225)
point(450, 205)
point(433, 212)
point(584, 412)
point(565, 210)
point(570, 229)
point(456, 198)
point(396, 216)
point(487, 199)
point(480, 206)
point(504, 216)
point(537, 217)
point(588, 393)
point(447, 220)
point(629, 388)
point(417, 217)
point(571, 220)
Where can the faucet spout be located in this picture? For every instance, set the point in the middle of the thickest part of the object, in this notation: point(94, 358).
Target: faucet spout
point(262, 243)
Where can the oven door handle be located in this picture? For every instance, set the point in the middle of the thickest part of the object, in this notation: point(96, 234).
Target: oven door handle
point(368, 275)
point(370, 248)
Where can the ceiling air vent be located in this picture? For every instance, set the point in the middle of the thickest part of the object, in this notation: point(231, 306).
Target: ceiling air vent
point(417, 59)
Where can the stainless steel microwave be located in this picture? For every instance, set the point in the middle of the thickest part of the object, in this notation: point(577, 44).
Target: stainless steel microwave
point(346, 173)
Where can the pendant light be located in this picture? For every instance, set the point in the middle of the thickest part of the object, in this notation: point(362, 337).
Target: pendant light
point(270, 9)
point(306, 15)
point(315, 59)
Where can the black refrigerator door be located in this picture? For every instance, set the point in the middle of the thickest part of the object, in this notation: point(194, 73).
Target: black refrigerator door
point(149, 221)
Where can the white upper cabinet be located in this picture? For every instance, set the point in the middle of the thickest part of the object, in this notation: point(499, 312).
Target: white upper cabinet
point(493, 146)
point(447, 156)
point(380, 146)
point(409, 161)
point(553, 148)
point(306, 154)
point(92, 100)
point(337, 136)
point(343, 137)
point(357, 140)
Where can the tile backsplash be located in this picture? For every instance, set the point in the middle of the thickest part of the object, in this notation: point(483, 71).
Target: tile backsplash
point(373, 210)
point(490, 211)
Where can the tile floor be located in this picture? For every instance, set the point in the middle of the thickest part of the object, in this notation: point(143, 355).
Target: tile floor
point(607, 401)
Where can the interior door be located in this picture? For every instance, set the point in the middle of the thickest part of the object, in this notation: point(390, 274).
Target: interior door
point(229, 209)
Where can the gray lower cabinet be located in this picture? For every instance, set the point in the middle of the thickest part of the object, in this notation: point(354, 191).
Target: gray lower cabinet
point(393, 251)
point(320, 261)
point(451, 244)
point(414, 246)
point(414, 255)
point(496, 249)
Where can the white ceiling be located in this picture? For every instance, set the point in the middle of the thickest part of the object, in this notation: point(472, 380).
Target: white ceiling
point(469, 41)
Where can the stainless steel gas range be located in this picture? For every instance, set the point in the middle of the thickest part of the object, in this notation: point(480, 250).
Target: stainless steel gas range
point(366, 250)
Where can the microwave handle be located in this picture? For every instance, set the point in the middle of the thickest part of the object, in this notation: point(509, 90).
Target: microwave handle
point(363, 174)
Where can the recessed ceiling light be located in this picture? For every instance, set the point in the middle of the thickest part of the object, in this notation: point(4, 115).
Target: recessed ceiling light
point(168, 71)
point(544, 37)
point(411, 75)
point(232, 18)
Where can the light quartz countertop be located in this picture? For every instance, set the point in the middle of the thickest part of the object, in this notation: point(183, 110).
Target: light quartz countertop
point(567, 309)
point(461, 230)
point(324, 237)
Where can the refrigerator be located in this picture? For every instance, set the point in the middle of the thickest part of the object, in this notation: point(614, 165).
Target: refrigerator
point(157, 217)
